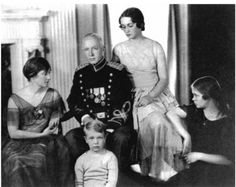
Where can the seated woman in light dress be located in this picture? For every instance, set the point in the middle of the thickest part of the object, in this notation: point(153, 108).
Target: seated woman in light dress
point(145, 60)
point(36, 155)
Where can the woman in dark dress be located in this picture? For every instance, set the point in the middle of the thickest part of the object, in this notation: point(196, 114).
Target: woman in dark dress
point(211, 159)
point(36, 155)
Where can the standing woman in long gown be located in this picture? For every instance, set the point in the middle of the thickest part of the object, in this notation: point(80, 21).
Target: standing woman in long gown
point(145, 60)
point(35, 156)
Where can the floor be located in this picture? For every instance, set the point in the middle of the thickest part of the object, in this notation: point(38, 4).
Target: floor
point(132, 179)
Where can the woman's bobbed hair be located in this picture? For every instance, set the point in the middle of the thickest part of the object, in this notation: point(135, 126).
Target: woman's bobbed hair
point(35, 65)
point(136, 16)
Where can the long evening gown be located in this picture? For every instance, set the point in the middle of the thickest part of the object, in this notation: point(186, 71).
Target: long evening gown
point(158, 140)
point(38, 162)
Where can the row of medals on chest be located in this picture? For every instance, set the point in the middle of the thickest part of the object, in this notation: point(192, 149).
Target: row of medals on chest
point(97, 95)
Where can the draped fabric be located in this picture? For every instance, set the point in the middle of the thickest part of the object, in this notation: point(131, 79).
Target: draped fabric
point(40, 161)
point(177, 55)
point(93, 18)
point(158, 140)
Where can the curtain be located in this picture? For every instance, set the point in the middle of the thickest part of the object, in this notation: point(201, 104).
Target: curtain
point(177, 53)
point(93, 18)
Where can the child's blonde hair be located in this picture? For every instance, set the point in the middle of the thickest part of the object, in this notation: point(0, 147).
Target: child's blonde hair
point(95, 125)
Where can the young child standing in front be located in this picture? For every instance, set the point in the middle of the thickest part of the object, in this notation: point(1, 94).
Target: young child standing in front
point(98, 166)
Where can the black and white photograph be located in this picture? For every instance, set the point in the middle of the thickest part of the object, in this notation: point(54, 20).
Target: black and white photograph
point(117, 93)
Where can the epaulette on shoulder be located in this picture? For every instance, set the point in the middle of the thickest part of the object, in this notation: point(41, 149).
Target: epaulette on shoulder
point(116, 65)
point(81, 66)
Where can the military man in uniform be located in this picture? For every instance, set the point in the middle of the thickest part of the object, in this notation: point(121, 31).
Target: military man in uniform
point(101, 90)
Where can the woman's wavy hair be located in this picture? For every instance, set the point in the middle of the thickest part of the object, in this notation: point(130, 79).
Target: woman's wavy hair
point(209, 87)
point(136, 16)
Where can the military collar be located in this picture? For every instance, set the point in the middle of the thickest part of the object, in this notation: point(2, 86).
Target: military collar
point(99, 65)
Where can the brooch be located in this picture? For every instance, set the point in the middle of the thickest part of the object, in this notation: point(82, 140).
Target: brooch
point(38, 113)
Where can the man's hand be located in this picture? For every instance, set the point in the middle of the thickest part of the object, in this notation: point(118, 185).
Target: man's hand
point(54, 122)
point(85, 119)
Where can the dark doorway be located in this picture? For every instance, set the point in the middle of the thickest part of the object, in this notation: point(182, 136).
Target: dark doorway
point(6, 89)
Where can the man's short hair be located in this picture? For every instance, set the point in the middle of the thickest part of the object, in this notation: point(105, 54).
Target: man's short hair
point(95, 36)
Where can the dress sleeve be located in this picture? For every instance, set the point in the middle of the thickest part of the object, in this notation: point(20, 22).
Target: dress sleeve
point(79, 174)
point(13, 117)
point(189, 109)
point(13, 113)
point(112, 171)
point(58, 105)
point(228, 140)
point(193, 117)
point(115, 57)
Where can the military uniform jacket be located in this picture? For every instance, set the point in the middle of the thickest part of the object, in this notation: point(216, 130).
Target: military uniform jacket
point(102, 90)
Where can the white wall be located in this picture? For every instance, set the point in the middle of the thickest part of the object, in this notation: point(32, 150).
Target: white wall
point(155, 17)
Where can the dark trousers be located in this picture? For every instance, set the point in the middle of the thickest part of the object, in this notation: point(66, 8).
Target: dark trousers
point(119, 142)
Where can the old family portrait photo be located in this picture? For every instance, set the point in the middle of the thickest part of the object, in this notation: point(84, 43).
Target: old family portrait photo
point(117, 94)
